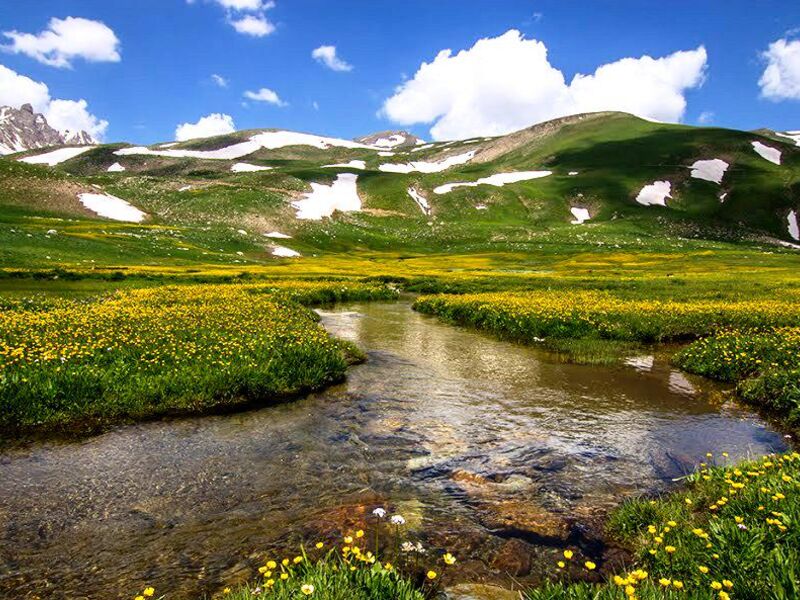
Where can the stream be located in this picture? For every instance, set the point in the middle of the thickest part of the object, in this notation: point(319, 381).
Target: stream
point(489, 449)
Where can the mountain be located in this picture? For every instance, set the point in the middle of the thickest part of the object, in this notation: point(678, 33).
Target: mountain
point(22, 129)
point(594, 181)
point(391, 140)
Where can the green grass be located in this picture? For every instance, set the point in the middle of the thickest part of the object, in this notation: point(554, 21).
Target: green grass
point(330, 578)
point(734, 529)
point(764, 363)
point(530, 316)
point(80, 364)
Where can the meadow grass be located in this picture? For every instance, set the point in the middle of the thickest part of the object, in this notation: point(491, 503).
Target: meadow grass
point(529, 316)
point(765, 364)
point(141, 353)
point(731, 533)
point(332, 577)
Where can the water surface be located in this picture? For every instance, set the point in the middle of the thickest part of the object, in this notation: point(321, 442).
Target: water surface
point(484, 446)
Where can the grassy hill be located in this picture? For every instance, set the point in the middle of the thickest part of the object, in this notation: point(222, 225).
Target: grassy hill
point(197, 208)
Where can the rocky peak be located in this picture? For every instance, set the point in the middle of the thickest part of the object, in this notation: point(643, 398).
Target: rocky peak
point(23, 129)
point(390, 139)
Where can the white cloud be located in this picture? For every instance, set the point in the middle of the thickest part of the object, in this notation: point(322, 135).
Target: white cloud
point(247, 16)
point(219, 80)
point(72, 115)
point(507, 83)
point(241, 4)
point(326, 55)
point(706, 117)
point(781, 77)
point(16, 90)
point(208, 126)
point(254, 25)
point(265, 95)
point(65, 40)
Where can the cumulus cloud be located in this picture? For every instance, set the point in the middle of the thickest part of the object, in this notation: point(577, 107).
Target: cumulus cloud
point(219, 80)
point(247, 17)
point(265, 95)
point(16, 89)
point(72, 115)
point(326, 55)
point(208, 126)
point(781, 77)
point(65, 40)
point(253, 25)
point(507, 83)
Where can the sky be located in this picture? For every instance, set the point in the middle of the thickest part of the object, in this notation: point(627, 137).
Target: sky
point(156, 70)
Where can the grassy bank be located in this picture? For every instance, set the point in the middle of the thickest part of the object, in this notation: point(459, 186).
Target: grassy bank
point(732, 533)
point(384, 563)
point(764, 364)
point(141, 353)
point(528, 316)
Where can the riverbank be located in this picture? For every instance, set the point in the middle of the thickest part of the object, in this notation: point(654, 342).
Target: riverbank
point(80, 365)
point(751, 342)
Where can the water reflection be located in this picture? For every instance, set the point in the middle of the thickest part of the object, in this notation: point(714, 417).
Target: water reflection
point(476, 438)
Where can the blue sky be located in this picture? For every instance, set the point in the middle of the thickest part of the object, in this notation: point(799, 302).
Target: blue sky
point(169, 49)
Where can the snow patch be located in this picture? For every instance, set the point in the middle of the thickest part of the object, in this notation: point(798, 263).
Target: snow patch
point(427, 167)
point(390, 142)
point(423, 147)
point(655, 194)
point(111, 207)
point(773, 155)
point(710, 170)
point(421, 201)
point(185, 188)
point(722, 196)
point(497, 180)
point(572, 173)
point(284, 252)
point(248, 168)
point(269, 140)
point(385, 153)
point(323, 200)
point(115, 168)
point(794, 231)
point(277, 235)
point(353, 164)
point(792, 135)
point(56, 156)
point(581, 215)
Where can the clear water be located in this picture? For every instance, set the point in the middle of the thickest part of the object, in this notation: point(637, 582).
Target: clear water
point(475, 441)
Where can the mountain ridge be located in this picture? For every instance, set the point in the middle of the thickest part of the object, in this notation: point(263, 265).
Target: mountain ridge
point(23, 129)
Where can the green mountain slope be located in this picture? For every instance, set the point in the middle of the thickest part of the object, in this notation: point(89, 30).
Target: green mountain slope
point(200, 211)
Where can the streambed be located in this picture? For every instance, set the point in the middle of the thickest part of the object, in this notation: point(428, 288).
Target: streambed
point(486, 447)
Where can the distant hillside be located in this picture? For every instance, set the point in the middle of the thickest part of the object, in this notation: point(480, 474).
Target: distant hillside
point(603, 179)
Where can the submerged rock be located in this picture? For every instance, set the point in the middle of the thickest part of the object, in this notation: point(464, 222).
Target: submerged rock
point(523, 516)
point(514, 558)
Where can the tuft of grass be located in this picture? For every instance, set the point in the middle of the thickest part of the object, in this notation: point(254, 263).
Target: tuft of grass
point(330, 578)
point(732, 533)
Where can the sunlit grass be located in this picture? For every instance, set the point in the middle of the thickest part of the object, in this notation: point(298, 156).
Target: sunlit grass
point(731, 533)
point(165, 350)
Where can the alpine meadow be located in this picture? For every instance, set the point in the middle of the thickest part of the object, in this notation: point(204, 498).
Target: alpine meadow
point(535, 337)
